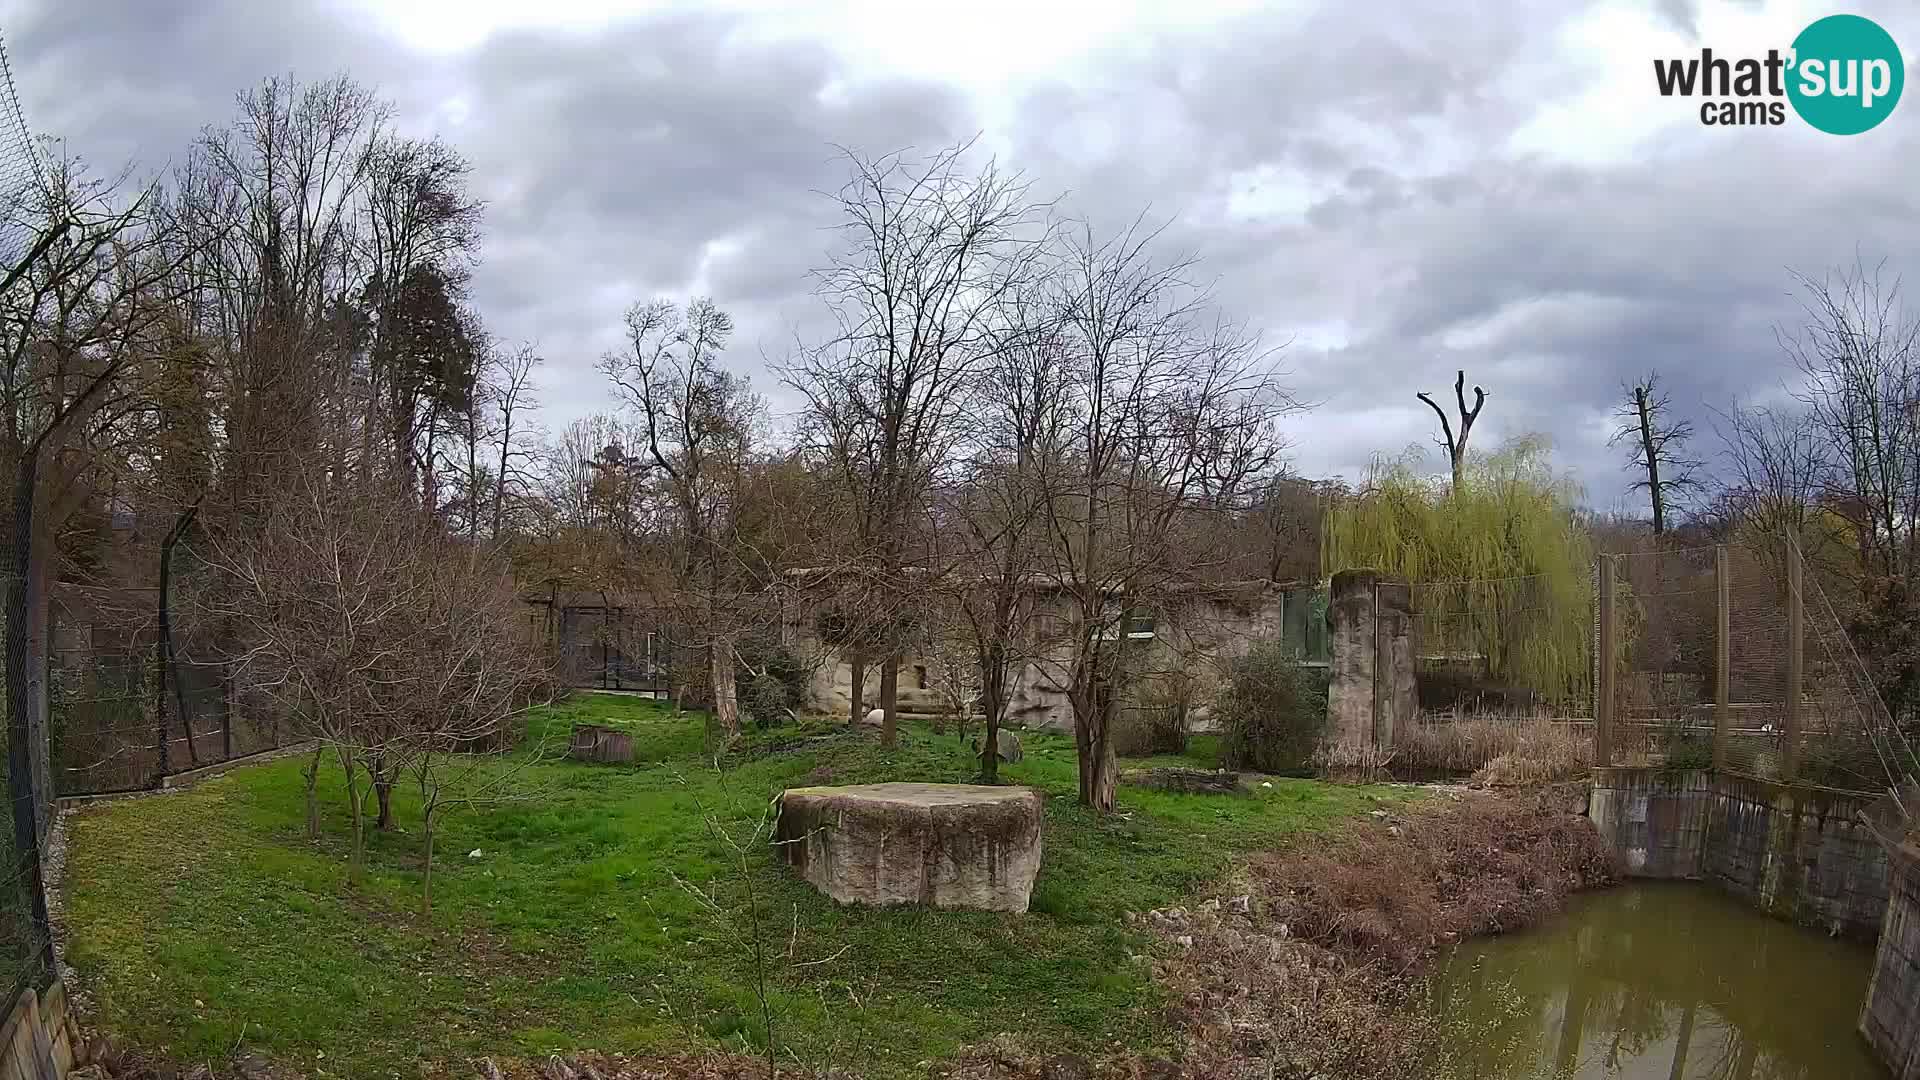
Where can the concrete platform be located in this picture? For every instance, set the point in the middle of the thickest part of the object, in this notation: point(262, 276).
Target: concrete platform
point(943, 845)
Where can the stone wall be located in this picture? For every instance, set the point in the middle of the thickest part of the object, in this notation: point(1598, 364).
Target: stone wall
point(1801, 853)
point(1890, 1019)
point(1370, 692)
point(1197, 634)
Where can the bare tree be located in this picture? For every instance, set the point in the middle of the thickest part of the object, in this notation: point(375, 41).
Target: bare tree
point(1858, 354)
point(698, 422)
point(369, 630)
point(510, 379)
point(1658, 443)
point(928, 252)
point(1777, 474)
point(1168, 429)
point(1456, 445)
point(1016, 431)
point(77, 317)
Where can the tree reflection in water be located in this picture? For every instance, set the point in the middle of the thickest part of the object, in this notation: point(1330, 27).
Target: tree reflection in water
point(1656, 978)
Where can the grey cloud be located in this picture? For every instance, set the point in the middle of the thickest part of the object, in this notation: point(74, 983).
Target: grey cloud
point(616, 161)
point(671, 153)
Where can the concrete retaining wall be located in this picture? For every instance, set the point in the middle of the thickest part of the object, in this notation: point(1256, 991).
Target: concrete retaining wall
point(1801, 853)
point(1890, 1020)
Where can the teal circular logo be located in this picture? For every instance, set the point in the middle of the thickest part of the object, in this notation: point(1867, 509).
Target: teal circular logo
point(1847, 74)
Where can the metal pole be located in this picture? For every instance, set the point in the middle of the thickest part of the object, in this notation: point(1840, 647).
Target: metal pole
point(1796, 644)
point(1603, 696)
point(226, 720)
point(1378, 659)
point(1722, 656)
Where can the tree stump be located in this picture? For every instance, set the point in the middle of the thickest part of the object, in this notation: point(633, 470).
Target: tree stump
point(943, 845)
point(591, 742)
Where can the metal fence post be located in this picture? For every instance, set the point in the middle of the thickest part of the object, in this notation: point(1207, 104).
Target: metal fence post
point(1603, 690)
point(1796, 644)
point(1722, 655)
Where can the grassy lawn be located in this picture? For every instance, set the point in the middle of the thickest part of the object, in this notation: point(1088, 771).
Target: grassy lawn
point(563, 919)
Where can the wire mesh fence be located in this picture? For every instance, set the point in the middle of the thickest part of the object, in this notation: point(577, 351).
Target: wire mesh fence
point(26, 946)
point(110, 731)
point(20, 172)
point(1679, 658)
point(116, 721)
point(1724, 656)
point(1666, 606)
point(1506, 646)
point(25, 933)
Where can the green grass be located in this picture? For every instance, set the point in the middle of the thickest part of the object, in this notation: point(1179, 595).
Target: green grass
point(206, 919)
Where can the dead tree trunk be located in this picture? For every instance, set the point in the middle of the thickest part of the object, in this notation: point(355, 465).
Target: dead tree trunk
point(1651, 452)
point(726, 700)
point(1456, 446)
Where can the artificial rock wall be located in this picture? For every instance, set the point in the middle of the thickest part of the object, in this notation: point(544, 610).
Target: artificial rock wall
point(1890, 1019)
point(1370, 691)
point(1801, 853)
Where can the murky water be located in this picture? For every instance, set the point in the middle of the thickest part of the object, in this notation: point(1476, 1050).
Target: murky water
point(1658, 980)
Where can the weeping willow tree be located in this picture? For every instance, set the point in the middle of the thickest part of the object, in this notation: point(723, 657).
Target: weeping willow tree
point(1502, 565)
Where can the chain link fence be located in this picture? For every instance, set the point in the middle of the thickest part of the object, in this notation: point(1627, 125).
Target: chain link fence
point(21, 174)
point(26, 947)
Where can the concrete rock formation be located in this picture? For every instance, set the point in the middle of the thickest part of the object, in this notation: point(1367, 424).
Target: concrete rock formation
point(1008, 745)
point(945, 845)
point(1370, 693)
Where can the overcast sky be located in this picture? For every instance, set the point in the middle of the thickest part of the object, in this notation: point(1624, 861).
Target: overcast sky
point(1398, 190)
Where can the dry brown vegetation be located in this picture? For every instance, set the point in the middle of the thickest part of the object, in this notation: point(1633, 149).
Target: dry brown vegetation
point(1498, 751)
point(1312, 970)
point(1394, 889)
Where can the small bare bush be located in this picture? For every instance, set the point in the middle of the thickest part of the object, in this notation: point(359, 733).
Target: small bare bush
point(1158, 723)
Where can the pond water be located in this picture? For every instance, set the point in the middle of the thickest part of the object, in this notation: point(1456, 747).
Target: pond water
point(1657, 980)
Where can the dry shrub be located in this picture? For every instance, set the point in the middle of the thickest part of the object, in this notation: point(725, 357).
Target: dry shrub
point(1463, 745)
point(1392, 891)
point(1542, 753)
point(1147, 731)
point(1353, 762)
point(1251, 1002)
point(1272, 710)
point(1314, 973)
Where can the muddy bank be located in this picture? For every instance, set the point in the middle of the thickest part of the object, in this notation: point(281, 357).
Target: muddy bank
point(1309, 965)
